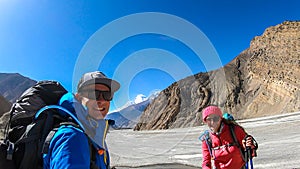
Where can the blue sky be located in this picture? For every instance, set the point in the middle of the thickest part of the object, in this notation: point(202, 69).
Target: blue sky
point(51, 39)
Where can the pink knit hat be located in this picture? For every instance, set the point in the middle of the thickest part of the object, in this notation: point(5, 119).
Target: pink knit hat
point(211, 110)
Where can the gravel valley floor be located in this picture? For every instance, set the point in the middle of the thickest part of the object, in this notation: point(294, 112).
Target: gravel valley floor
point(278, 138)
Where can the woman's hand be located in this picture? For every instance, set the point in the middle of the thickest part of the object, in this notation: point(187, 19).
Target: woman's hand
point(249, 143)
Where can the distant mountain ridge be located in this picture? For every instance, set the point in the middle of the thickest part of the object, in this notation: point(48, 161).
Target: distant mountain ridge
point(128, 116)
point(263, 80)
point(12, 85)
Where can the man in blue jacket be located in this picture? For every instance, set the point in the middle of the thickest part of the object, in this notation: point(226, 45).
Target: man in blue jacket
point(84, 147)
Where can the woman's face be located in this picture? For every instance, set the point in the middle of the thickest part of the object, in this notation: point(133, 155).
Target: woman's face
point(213, 122)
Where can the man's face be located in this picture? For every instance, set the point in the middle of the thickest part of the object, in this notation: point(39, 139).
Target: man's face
point(94, 97)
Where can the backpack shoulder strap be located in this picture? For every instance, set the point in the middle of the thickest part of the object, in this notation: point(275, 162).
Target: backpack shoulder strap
point(233, 136)
point(48, 140)
point(232, 133)
point(52, 133)
point(206, 137)
point(92, 155)
point(91, 146)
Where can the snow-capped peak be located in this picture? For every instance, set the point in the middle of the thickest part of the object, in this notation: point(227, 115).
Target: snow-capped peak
point(140, 98)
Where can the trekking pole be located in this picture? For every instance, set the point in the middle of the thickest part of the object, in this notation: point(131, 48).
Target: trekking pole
point(246, 158)
point(249, 157)
point(250, 151)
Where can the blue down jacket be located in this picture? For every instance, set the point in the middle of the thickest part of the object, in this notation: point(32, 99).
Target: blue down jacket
point(69, 147)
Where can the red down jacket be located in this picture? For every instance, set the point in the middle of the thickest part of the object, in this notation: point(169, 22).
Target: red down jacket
point(226, 155)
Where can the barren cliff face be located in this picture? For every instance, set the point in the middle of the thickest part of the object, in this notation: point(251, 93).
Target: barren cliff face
point(4, 105)
point(273, 68)
point(263, 80)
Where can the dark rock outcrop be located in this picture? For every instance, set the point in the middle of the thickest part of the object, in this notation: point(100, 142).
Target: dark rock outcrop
point(262, 80)
point(4, 105)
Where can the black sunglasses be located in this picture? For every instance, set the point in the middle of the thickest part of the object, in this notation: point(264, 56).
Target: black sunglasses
point(98, 94)
point(214, 119)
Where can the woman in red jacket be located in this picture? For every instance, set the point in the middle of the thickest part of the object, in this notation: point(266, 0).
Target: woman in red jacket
point(224, 148)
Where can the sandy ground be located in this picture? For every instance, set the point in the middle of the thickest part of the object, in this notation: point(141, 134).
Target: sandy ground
point(278, 138)
point(162, 166)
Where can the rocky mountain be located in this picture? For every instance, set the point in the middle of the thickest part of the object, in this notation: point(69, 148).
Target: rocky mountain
point(12, 85)
point(263, 80)
point(128, 116)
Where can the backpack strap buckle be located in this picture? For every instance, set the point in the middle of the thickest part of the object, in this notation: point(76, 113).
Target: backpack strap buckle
point(10, 151)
